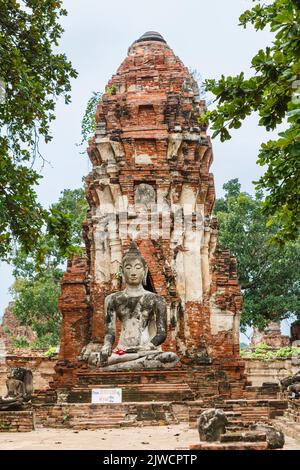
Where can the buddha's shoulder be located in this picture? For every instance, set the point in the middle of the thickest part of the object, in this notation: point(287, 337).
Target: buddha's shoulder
point(110, 298)
point(152, 296)
point(120, 296)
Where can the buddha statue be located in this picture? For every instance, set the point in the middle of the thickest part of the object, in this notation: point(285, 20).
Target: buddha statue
point(143, 317)
point(19, 386)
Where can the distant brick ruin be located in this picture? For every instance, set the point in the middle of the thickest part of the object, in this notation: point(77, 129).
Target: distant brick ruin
point(271, 336)
point(10, 329)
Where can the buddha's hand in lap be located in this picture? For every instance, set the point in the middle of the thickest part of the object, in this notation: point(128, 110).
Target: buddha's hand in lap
point(150, 346)
point(105, 353)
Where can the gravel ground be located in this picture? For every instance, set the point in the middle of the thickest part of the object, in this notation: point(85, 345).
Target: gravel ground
point(133, 438)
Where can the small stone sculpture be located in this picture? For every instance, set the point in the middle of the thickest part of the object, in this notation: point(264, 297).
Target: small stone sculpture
point(211, 424)
point(294, 390)
point(143, 316)
point(19, 389)
point(274, 436)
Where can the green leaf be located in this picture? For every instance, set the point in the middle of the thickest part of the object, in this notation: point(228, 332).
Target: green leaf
point(271, 93)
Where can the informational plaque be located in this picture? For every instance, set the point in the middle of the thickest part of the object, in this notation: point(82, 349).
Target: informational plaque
point(106, 395)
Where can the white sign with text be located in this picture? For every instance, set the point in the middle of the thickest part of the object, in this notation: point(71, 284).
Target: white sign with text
point(106, 395)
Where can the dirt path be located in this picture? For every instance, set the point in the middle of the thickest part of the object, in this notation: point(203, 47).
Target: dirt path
point(148, 438)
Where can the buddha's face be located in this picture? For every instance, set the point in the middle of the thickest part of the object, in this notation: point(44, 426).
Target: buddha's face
point(134, 271)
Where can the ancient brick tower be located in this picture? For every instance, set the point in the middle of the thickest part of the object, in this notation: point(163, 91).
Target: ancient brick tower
point(149, 150)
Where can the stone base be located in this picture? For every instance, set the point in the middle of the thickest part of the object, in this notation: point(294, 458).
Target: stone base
point(89, 416)
point(207, 382)
point(149, 413)
point(17, 421)
point(243, 436)
point(293, 411)
point(155, 397)
point(140, 386)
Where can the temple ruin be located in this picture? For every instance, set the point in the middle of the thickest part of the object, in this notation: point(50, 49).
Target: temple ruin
point(151, 184)
point(149, 150)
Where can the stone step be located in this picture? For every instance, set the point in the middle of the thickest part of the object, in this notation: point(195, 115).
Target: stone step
point(137, 392)
point(256, 401)
point(230, 446)
point(289, 431)
point(239, 426)
point(243, 436)
point(205, 381)
point(108, 422)
point(240, 413)
point(144, 387)
point(239, 423)
point(292, 416)
point(98, 415)
point(17, 421)
point(103, 425)
point(288, 427)
point(90, 416)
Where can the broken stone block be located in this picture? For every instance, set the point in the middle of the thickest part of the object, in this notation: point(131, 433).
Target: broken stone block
point(212, 424)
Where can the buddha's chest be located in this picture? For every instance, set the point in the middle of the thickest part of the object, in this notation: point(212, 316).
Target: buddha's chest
point(136, 309)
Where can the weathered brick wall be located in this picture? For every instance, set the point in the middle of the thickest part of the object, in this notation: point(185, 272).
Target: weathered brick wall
point(259, 372)
point(74, 307)
point(42, 368)
point(90, 416)
point(16, 421)
point(293, 411)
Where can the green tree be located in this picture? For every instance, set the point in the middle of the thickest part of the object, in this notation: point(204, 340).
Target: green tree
point(37, 288)
point(274, 93)
point(268, 273)
point(36, 305)
point(32, 76)
point(74, 204)
point(88, 123)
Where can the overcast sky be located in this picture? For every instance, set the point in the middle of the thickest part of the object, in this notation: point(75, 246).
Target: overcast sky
point(204, 34)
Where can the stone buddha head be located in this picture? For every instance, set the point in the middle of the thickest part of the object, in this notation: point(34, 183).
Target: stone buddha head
point(134, 267)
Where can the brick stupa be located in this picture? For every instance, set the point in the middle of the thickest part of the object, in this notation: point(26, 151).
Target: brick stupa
point(149, 148)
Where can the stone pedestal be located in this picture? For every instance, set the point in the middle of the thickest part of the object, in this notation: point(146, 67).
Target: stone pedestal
point(17, 421)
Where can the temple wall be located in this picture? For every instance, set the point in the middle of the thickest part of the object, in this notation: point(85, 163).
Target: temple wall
point(258, 371)
point(42, 367)
point(74, 306)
